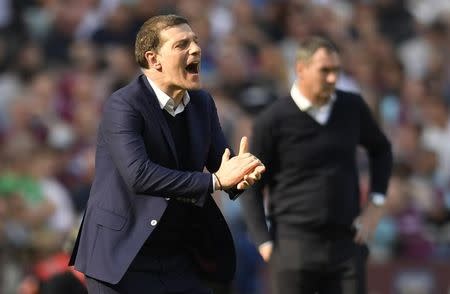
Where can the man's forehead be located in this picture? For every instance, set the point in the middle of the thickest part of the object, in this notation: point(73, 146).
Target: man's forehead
point(323, 55)
point(176, 33)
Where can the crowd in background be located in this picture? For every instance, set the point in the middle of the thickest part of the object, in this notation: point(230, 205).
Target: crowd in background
point(59, 61)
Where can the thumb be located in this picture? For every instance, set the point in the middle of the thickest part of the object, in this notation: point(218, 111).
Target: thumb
point(226, 155)
point(243, 147)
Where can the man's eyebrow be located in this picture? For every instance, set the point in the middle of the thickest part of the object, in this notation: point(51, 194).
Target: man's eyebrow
point(334, 67)
point(186, 38)
point(181, 40)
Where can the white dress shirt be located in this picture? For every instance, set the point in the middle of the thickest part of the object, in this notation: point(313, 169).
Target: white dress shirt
point(321, 114)
point(167, 103)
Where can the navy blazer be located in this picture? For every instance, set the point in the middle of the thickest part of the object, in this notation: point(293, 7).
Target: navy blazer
point(136, 174)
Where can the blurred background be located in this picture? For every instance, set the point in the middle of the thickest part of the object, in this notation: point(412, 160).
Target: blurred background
point(60, 60)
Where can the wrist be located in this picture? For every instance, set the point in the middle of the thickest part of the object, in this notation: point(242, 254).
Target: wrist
point(217, 183)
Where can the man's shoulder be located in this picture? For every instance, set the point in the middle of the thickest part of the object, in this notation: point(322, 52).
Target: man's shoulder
point(201, 98)
point(199, 94)
point(347, 96)
point(274, 112)
point(129, 94)
point(135, 86)
point(279, 105)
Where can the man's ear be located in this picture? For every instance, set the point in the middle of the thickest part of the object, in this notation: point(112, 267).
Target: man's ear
point(153, 60)
point(299, 67)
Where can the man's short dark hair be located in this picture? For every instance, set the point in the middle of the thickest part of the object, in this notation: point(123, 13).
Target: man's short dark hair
point(148, 37)
point(309, 46)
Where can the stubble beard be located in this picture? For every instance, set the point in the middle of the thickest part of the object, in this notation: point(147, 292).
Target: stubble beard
point(194, 85)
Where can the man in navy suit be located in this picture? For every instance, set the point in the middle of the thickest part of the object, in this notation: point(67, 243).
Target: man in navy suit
point(151, 225)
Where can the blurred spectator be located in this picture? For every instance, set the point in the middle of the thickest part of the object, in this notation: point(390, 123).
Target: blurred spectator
point(118, 28)
point(436, 136)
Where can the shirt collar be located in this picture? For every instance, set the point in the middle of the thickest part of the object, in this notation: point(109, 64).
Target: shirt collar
point(167, 103)
point(304, 103)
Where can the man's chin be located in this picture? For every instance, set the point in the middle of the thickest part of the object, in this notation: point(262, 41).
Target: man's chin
point(327, 94)
point(323, 99)
point(194, 86)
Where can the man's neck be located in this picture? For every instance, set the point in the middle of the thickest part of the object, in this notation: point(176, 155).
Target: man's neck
point(175, 93)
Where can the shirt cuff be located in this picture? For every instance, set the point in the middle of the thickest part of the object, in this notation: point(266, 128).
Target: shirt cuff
point(377, 198)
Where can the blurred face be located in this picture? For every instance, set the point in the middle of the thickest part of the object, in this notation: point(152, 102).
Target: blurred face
point(318, 76)
point(177, 61)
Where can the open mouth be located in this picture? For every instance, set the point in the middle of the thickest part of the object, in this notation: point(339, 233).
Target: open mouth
point(193, 67)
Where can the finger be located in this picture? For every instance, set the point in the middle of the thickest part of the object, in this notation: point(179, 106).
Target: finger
point(246, 184)
point(249, 179)
point(261, 167)
point(358, 230)
point(251, 176)
point(246, 165)
point(256, 174)
point(226, 155)
point(248, 168)
point(243, 147)
point(242, 185)
point(358, 238)
point(362, 236)
point(266, 251)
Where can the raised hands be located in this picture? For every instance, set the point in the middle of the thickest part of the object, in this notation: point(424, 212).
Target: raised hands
point(240, 171)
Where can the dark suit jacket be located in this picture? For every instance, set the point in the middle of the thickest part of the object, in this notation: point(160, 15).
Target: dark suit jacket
point(137, 174)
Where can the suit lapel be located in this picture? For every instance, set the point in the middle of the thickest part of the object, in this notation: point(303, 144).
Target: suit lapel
point(151, 102)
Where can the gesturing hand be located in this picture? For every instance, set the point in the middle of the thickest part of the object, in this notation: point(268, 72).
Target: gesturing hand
point(241, 170)
point(255, 175)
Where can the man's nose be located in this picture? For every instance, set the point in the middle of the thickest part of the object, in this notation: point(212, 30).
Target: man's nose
point(195, 49)
point(332, 78)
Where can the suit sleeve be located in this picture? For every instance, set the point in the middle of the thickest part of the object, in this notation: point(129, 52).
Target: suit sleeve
point(378, 149)
point(252, 202)
point(120, 130)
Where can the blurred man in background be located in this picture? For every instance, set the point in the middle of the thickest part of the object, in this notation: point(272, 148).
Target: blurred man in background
point(308, 142)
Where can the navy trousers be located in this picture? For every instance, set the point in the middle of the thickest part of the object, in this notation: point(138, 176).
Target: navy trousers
point(154, 275)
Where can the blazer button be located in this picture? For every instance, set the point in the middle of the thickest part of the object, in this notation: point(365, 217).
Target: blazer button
point(153, 222)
